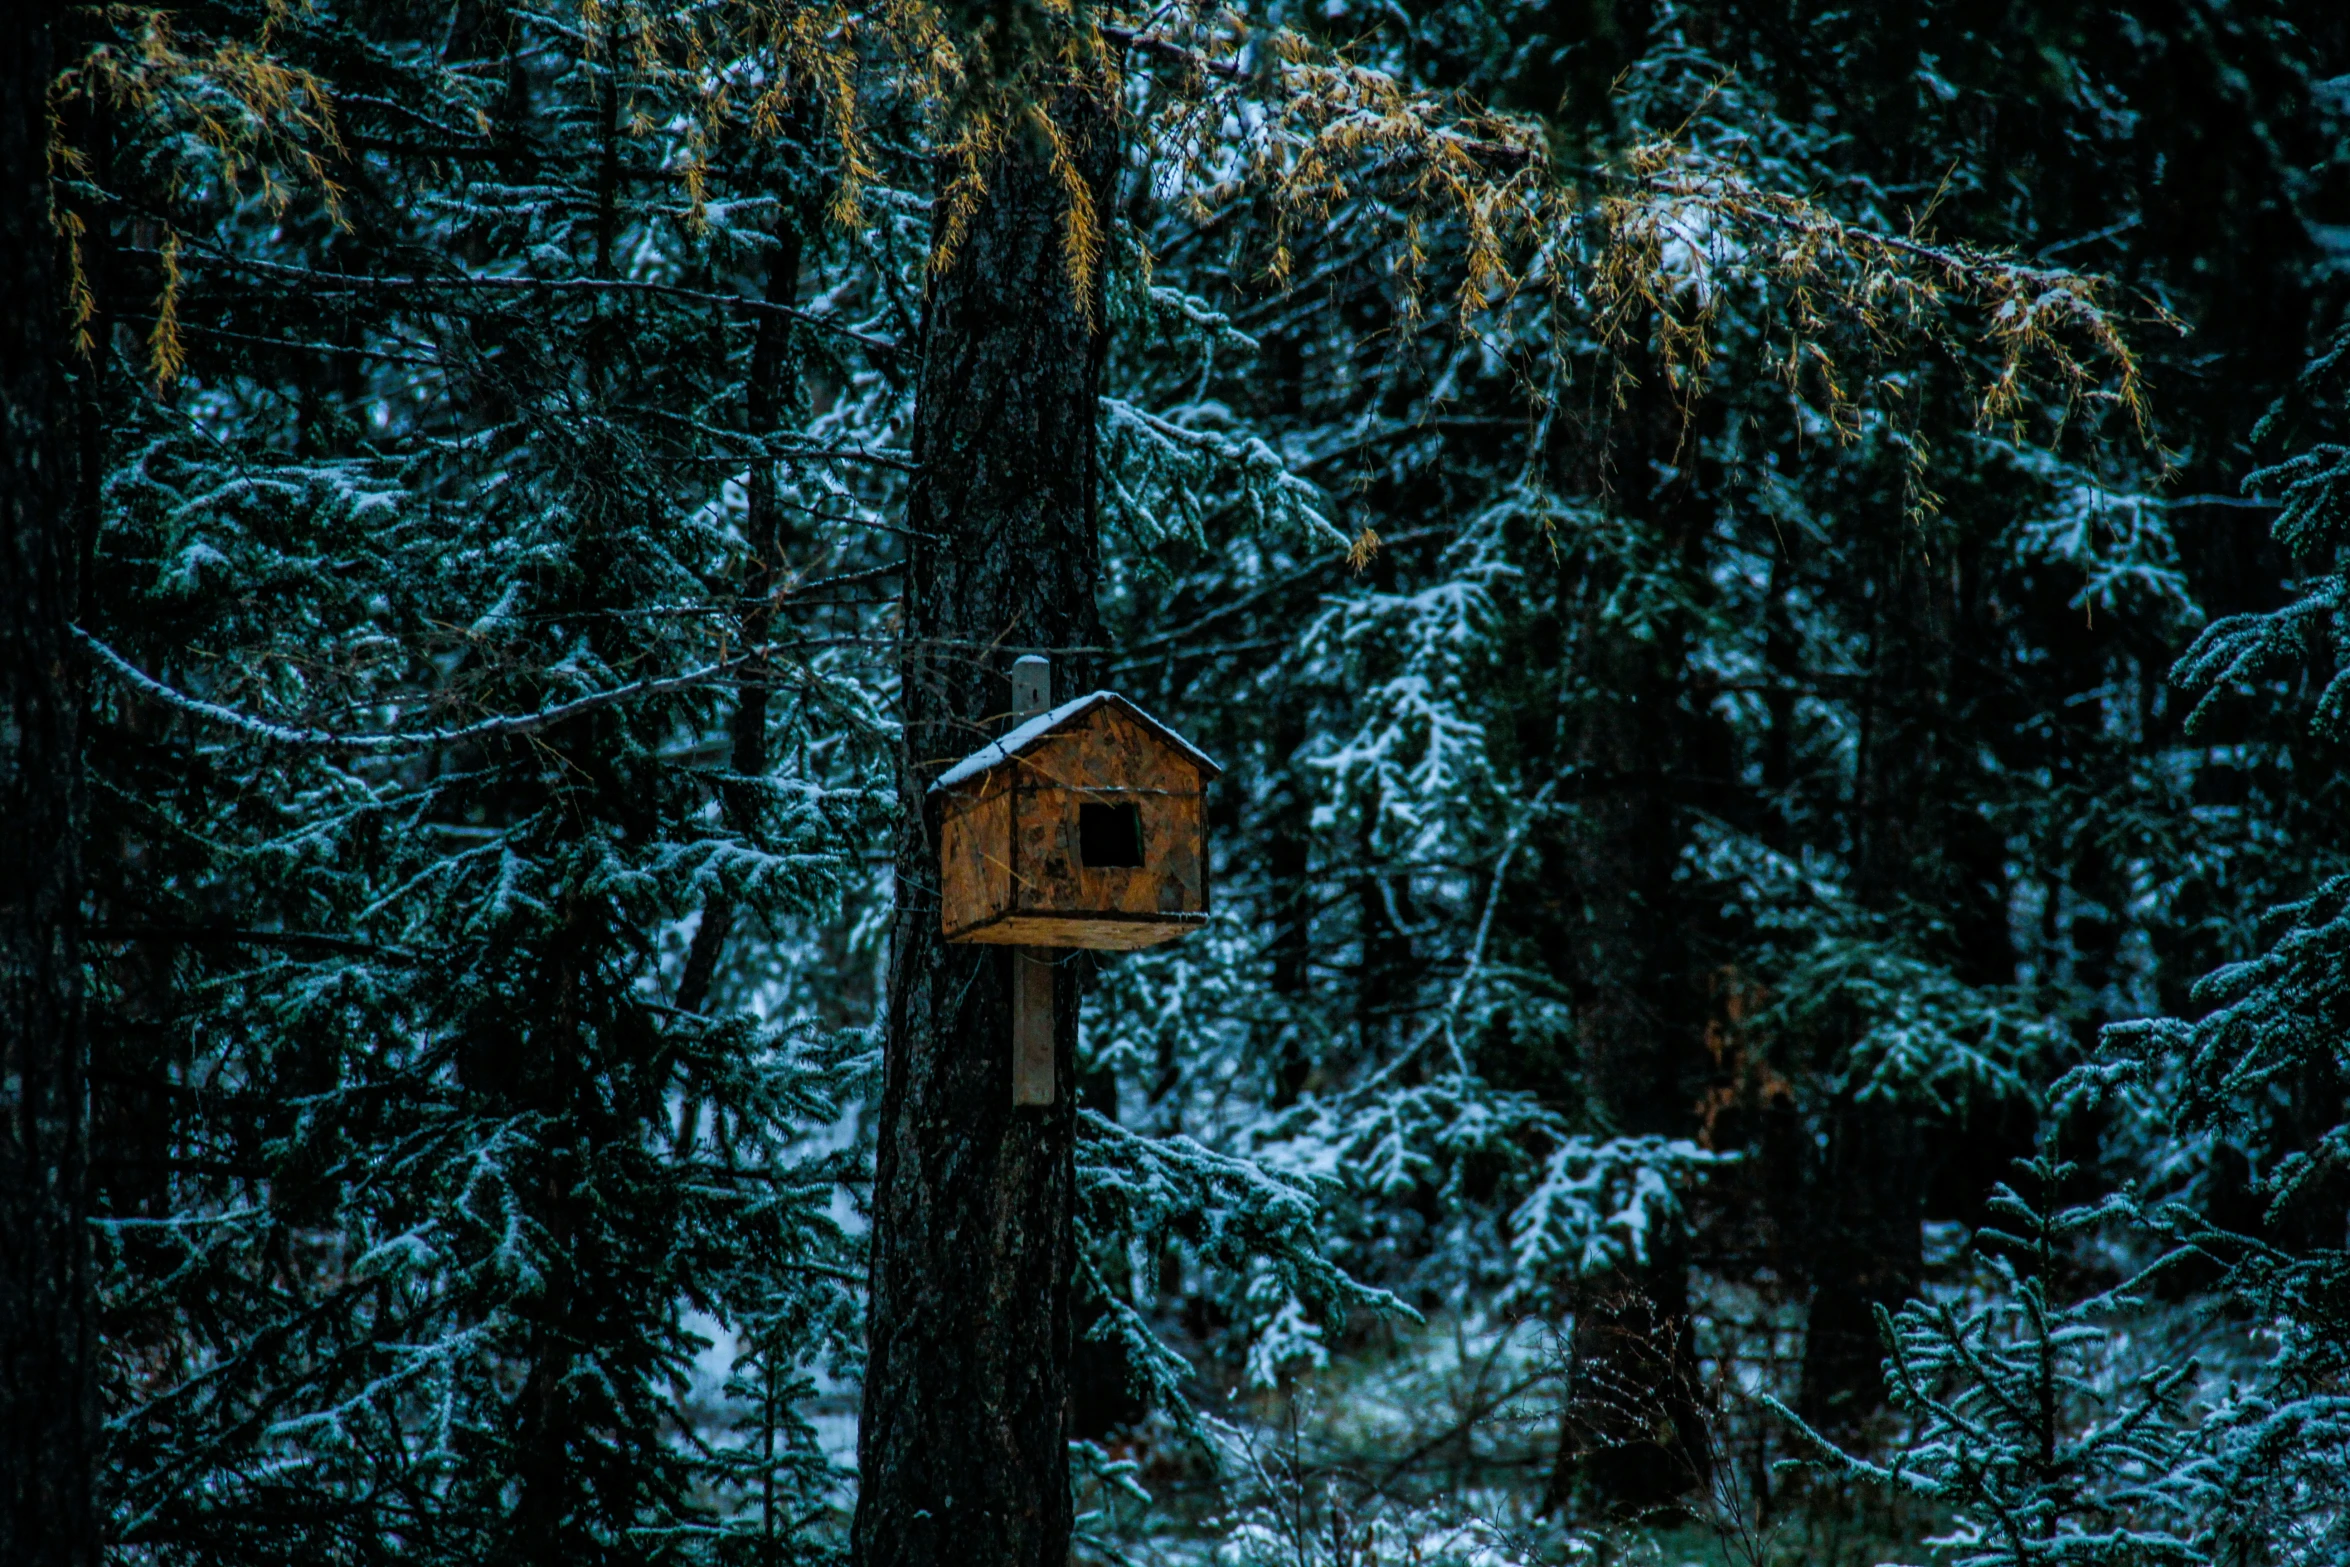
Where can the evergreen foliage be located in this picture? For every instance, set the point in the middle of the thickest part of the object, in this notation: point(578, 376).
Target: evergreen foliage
point(425, 1179)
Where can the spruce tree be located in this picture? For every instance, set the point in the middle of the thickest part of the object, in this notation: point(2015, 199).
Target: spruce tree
point(2027, 1423)
point(2259, 1084)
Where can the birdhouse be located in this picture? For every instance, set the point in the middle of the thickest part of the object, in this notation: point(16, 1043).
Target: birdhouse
point(1084, 826)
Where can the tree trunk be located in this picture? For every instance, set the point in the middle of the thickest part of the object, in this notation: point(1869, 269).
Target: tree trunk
point(47, 1424)
point(1914, 827)
point(772, 391)
point(1633, 1437)
point(1864, 1249)
point(963, 1452)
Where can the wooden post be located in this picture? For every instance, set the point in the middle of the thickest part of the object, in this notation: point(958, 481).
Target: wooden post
point(1032, 967)
point(1032, 1025)
point(1032, 686)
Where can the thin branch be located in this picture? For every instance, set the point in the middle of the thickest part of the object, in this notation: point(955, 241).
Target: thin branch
point(417, 740)
point(200, 935)
point(1501, 870)
point(1447, 1024)
point(468, 280)
point(1158, 46)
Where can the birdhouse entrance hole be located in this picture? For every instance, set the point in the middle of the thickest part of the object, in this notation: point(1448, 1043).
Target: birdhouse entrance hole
point(1109, 836)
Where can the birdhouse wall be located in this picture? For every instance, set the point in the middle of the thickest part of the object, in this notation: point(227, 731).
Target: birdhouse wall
point(975, 840)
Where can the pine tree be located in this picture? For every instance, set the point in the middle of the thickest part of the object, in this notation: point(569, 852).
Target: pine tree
point(418, 595)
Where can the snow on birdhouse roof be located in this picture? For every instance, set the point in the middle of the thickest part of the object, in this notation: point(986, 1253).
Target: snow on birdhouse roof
point(1006, 746)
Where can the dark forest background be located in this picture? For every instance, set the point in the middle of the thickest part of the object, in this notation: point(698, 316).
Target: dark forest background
point(1780, 987)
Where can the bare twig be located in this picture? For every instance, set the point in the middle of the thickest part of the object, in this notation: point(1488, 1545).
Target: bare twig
point(330, 281)
point(396, 742)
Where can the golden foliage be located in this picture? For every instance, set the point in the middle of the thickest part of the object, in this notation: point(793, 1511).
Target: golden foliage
point(969, 156)
point(252, 115)
point(1645, 253)
point(166, 355)
point(1682, 227)
point(1081, 229)
point(81, 301)
point(780, 71)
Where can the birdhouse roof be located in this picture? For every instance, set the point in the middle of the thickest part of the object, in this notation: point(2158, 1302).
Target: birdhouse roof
point(1010, 744)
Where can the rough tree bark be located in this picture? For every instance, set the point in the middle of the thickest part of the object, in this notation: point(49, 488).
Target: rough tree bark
point(47, 1516)
point(962, 1453)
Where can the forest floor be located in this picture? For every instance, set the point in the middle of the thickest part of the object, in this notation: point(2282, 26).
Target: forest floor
point(1435, 1444)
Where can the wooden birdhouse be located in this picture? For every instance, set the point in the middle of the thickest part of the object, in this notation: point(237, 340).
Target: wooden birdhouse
point(1083, 826)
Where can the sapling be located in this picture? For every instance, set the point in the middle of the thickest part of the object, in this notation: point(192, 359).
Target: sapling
point(2027, 1423)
